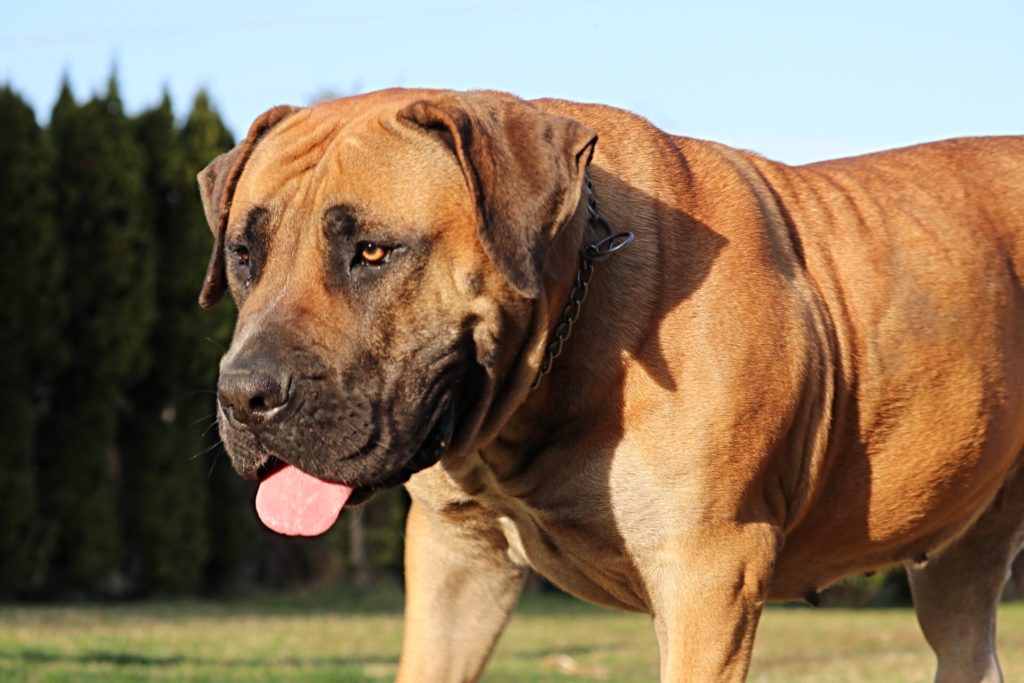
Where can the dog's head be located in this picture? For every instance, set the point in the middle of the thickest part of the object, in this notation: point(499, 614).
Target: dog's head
point(386, 253)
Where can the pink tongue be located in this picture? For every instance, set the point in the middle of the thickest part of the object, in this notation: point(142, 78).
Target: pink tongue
point(294, 503)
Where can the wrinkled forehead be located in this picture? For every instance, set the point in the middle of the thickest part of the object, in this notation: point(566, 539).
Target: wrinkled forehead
point(333, 154)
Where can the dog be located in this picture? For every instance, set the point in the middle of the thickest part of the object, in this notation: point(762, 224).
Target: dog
point(668, 375)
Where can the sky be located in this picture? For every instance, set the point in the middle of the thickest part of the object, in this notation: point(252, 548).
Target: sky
point(796, 81)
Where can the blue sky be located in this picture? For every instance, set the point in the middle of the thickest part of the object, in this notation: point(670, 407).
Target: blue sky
point(796, 81)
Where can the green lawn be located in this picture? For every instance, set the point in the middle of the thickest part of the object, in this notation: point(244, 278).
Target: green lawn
point(333, 637)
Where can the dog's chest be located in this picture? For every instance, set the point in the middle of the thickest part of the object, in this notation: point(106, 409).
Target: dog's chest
point(565, 531)
point(577, 559)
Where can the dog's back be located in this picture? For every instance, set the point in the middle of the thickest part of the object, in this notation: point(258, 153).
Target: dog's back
point(916, 255)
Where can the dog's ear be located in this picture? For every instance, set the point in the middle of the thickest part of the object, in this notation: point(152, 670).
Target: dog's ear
point(213, 191)
point(217, 184)
point(524, 168)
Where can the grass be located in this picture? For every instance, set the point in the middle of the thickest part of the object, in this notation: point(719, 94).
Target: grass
point(341, 638)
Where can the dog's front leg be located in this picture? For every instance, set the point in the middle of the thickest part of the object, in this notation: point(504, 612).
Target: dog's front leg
point(460, 588)
point(708, 591)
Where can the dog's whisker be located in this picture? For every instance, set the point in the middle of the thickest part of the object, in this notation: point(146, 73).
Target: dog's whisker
point(205, 450)
point(376, 443)
point(358, 514)
point(216, 343)
point(213, 464)
point(210, 426)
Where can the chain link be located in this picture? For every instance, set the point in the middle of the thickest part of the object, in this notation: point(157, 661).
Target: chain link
point(589, 254)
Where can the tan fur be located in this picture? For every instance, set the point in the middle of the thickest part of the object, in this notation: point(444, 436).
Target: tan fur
point(792, 375)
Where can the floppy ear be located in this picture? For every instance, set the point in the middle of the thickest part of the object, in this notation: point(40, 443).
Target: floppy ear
point(217, 184)
point(524, 167)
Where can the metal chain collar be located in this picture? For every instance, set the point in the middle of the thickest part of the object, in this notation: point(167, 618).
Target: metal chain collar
point(589, 255)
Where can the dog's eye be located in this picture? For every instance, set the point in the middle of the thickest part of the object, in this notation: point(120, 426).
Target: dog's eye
point(242, 264)
point(241, 255)
point(372, 254)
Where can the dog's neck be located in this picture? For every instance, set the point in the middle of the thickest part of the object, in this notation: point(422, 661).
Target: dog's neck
point(593, 251)
point(564, 390)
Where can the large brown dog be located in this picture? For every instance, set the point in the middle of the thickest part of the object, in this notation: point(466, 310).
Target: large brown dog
point(792, 374)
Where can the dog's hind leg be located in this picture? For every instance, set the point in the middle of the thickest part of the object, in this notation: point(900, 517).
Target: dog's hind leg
point(956, 593)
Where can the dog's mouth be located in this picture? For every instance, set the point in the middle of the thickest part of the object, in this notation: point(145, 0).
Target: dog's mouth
point(292, 502)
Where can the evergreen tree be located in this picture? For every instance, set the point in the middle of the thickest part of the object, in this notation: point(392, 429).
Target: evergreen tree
point(203, 137)
point(374, 537)
point(30, 326)
point(99, 175)
point(164, 481)
point(386, 532)
point(234, 530)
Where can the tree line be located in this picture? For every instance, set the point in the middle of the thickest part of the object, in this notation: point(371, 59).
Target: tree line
point(113, 481)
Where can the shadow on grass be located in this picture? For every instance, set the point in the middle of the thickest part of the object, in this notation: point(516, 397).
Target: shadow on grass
point(34, 656)
point(383, 599)
point(126, 659)
point(115, 658)
point(571, 650)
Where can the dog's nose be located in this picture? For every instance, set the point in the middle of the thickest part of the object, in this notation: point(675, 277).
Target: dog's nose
point(252, 395)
